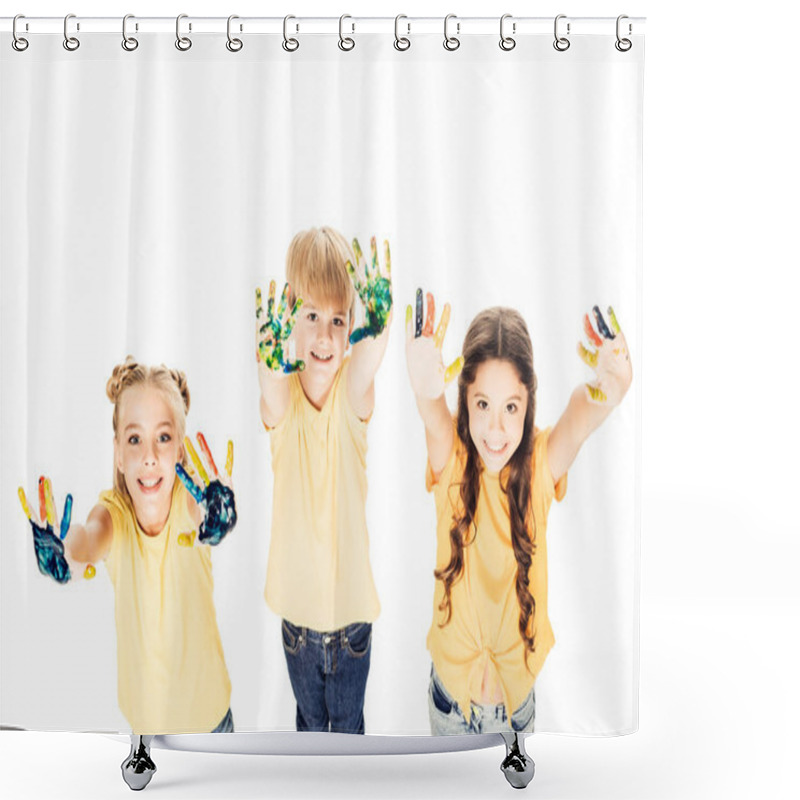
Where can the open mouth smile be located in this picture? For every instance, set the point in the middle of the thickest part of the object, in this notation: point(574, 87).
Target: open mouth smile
point(149, 486)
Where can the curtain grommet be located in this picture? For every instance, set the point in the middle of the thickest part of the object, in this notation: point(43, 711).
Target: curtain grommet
point(19, 43)
point(70, 43)
point(401, 43)
point(346, 43)
point(561, 43)
point(623, 44)
point(233, 44)
point(183, 43)
point(451, 43)
point(129, 43)
point(507, 43)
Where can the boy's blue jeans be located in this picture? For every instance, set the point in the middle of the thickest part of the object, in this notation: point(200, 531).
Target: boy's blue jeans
point(328, 671)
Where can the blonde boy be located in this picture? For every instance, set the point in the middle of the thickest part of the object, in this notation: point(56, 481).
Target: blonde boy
point(316, 409)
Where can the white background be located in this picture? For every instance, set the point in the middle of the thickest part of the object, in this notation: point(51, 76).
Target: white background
point(719, 543)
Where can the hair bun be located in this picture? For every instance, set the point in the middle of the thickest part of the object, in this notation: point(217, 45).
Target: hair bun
point(121, 377)
point(183, 387)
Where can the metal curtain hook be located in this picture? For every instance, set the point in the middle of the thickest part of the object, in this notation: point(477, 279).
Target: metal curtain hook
point(290, 45)
point(129, 43)
point(345, 42)
point(70, 42)
point(451, 42)
point(506, 42)
point(18, 42)
point(181, 42)
point(401, 42)
point(623, 45)
point(561, 43)
point(234, 45)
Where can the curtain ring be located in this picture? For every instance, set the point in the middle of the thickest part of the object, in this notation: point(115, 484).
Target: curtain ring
point(623, 45)
point(129, 43)
point(401, 42)
point(234, 45)
point(183, 43)
point(18, 42)
point(506, 42)
point(345, 43)
point(70, 42)
point(451, 42)
point(561, 43)
point(289, 45)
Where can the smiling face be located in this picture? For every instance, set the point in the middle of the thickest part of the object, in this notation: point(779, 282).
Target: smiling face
point(496, 402)
point(146, 449)
point(321, 337)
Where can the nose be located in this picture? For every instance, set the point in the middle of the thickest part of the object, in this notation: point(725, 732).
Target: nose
point(149, 455)
point(495, 421)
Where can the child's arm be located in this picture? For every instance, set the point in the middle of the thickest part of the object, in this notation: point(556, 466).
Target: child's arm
point(591, 403)
point(429, 378)
point(272, 333)
point(86, 543)
point(370, 340)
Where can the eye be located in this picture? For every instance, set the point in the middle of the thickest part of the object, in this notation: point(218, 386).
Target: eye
point(511, 408)
point(164, 438)
point(482, 405)
point(312, 316)
point(133, 439)
point(338, 321)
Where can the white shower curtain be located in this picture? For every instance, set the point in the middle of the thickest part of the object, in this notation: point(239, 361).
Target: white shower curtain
point(147, 194)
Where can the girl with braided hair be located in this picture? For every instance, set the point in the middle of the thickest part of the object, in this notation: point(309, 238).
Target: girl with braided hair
point(154, 533)
point(494, 476)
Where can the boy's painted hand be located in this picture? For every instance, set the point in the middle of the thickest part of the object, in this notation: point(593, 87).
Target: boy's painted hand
point(375, 292)
point(216, 498)
point(427, 372)
point(273, 330)
point(610, 360)
point(49, 548)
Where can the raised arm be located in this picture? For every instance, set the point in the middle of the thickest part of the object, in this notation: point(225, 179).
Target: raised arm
point(273, 329)
point(429, 378)
point(591, 403)
point(370, 340)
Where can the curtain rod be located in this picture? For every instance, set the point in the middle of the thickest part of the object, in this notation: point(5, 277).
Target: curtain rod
point(327, 25)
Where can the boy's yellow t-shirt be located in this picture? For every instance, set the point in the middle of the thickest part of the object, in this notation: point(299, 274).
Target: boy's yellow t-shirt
point(484, 626)
point(172, 676)
point(318, 572)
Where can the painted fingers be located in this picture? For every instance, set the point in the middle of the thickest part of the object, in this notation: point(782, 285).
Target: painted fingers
point(49, 548)
point(202, 470)
point(610, 360)
point(273, 329)
point(415, 329)
point(375, 291)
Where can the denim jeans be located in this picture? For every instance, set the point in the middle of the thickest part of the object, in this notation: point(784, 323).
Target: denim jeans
point(447, 718)
point(328, 672)
point(226, 726)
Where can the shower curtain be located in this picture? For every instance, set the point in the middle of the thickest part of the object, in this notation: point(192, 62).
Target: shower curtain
point(147, 193)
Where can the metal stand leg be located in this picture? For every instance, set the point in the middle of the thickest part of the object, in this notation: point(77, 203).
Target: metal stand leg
point(138, 768)
point(518, 766)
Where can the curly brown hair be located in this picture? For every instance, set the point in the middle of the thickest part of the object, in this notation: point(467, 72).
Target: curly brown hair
point(496, 333)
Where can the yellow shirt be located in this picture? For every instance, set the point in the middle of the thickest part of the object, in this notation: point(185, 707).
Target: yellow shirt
point(484, 627)
point(318, 572)
point(172, 676)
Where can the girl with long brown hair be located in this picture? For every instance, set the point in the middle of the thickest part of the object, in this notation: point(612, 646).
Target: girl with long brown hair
point(494, 476)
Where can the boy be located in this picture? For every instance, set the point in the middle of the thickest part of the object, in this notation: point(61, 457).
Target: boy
point(316, 409)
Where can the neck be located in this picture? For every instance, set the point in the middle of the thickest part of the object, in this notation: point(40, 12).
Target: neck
point(317, 388)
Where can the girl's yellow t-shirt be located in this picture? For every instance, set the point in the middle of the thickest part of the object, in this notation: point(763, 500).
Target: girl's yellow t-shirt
point(484, 626)
point(172, 676)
